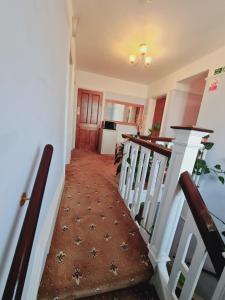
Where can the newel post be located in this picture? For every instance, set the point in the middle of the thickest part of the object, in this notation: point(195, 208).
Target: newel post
point(185, 149)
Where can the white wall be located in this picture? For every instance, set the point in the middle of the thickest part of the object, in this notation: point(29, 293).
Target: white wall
point(182, 109)
point(173, 112)
point(113, 87)
point(174, 82)
point(170, 82)
point(192, 107)
point(34, 57)
point(212, 115)
point(122, 128)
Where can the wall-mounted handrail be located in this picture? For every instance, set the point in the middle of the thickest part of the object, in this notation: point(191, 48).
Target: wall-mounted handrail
point(209, 233)
point(18, 270)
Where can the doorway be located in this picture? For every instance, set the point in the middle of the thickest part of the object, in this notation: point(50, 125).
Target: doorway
point(89, 110)
point(191, 96)
point(158, 115)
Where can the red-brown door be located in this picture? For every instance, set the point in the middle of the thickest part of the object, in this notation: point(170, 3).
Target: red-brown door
point(89, 108)
point(158, 115)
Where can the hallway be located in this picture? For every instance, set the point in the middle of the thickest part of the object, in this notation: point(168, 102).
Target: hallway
point(96, 246)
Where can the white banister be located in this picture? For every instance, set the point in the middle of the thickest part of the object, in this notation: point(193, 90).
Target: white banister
point(185, 149)
point(219, 293)
point(162, 198)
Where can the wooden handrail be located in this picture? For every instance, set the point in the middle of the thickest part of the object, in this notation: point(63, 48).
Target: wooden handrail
point(156, 139)
point(151, 146)
point(18, 270)
point(151, 139)
point(162, 139)
point(192, 127)
point(207, 228)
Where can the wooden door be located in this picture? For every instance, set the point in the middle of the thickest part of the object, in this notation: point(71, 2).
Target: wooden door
point(158, 115)
point(89, 108)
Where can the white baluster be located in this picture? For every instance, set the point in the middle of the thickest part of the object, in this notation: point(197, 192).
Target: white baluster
point(219, 293)
point(130, 173)
point(140, 180)
point(153, 195)
point(125, 166)
point(192, 272)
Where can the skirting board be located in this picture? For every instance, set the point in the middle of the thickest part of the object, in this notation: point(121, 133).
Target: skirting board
point(35, 271)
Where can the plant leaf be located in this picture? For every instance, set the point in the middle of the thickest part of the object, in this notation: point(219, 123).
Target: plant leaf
point(218, 167)
point(128, 160)
point(208, 145)
point(118, 159)
point(221, 179)
point(206, 170)
point(206, 136)
point(118, 170)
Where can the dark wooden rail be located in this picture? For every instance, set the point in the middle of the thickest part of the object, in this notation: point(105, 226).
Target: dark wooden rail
point(156, 139)
point(18, 270)
point(151, 139)
point(152, 146)
point(207, 228)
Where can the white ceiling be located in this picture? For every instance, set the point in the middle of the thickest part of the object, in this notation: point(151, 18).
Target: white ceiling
point(177, 31)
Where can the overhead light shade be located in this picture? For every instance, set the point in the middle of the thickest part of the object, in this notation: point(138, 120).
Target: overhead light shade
point(147, 60)
point(143, 49)
point(132, 59)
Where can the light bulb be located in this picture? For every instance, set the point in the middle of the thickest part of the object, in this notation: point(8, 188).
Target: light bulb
point(147, 60)
point(132, 59)
point(143, 49)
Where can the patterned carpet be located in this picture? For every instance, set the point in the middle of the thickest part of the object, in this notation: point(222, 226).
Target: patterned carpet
point(96, 246)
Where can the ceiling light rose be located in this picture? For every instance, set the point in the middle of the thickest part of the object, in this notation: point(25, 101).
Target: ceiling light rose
point(147, 61)
point(143, 49)
point(132, 59)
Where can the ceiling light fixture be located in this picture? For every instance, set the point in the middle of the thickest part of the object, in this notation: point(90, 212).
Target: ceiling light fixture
point(146, 59)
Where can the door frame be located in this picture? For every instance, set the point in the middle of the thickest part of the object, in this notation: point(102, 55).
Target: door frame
point(70, 114)
point(163, 114)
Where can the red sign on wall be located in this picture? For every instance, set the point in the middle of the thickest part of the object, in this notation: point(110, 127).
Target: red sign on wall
point(214, 85)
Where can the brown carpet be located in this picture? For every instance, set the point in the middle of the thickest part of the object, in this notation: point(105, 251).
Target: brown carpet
point(96, 246)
